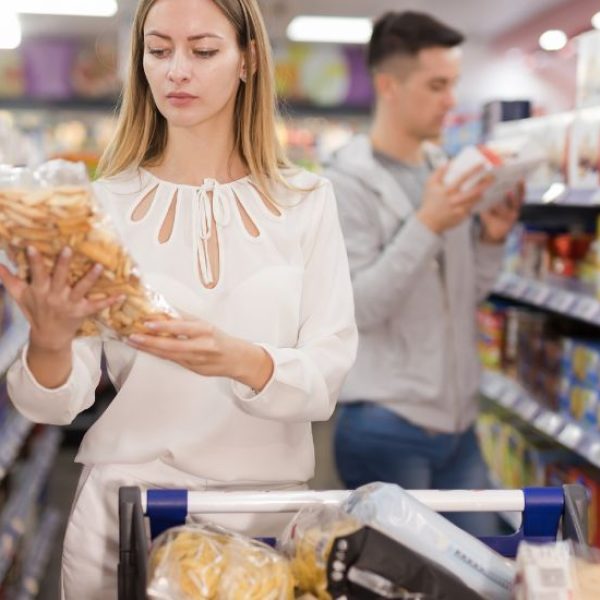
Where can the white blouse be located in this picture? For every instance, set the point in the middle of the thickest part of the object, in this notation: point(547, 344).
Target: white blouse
point(282, 283)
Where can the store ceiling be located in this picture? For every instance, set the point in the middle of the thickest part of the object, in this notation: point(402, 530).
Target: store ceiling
point(480, 19)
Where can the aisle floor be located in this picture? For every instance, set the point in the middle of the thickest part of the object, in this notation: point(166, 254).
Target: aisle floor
point(64, 477)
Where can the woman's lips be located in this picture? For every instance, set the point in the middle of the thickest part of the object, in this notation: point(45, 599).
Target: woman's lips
point(181, 99)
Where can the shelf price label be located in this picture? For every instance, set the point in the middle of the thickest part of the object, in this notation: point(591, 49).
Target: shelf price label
point(592, 453)
point(527, 409)
point(494, 386)
point(549, 423)
point(570, 436)
point(509, 397)
point(587, 309)
point(561, 301)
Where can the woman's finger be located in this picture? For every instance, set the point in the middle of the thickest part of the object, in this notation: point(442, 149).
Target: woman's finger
point(14, 286)
point(195, 328)
point(171, 345)
point(39, 274)
point(60, 275)
point(86, 283)
point(97, 306)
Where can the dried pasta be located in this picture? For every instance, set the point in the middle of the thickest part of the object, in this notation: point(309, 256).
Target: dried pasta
point(198, 562)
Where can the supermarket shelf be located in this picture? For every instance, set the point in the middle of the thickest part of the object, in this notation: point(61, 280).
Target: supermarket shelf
point(13, 520)
point(291, 109)
point(561, 296)
point(13, 431)
point(69, 104)
point(562, 196)
point(513, 519)
point(508, 394)
point(38, 555)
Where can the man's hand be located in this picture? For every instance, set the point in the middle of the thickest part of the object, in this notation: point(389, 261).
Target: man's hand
point(446, 207)
point(499, 220)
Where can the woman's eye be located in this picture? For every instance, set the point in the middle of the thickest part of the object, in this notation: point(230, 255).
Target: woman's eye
point(158, 52)
point(205, 53)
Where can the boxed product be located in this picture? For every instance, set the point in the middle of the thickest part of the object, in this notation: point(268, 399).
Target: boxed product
point(508, 161)
point(584, 151)
point(53, 207)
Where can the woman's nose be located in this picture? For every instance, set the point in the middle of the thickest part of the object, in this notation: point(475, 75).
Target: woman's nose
point(179, 68)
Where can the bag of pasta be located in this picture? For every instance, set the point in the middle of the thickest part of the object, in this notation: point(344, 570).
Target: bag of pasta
point(204, 562)
point(52, 207)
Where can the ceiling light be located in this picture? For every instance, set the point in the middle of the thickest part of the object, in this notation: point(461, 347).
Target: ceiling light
point(553, 39)
point(82, 8)
point(340, 30)
point(596, 21)
point(10, 29)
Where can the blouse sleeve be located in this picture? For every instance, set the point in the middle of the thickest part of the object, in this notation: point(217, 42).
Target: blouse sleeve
point(57, 406)
point(307, 378)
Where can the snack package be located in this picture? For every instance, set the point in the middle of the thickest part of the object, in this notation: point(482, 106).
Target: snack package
point(509, 161)
point(557, 571)
point(204, 562)
point(308, 541)
point(53, 207)
point(392, 511)
point(334, 557)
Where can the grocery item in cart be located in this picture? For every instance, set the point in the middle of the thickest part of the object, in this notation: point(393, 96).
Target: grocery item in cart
point(204, 562)
point(334, 557)
point(392, 511)
point(53, 207)
point(557, 571)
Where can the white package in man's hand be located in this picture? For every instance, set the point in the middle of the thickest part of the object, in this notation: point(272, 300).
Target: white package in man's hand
point(508, 163)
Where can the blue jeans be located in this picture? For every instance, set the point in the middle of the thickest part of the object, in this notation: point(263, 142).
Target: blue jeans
point(373, 443)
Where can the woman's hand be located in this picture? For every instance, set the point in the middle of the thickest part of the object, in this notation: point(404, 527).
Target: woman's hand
point(206, 350)
point(54, 309)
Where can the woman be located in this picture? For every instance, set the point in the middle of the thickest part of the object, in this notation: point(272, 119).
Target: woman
point(247, 250)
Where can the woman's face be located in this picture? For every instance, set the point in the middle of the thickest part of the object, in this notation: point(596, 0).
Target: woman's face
point(191, 60)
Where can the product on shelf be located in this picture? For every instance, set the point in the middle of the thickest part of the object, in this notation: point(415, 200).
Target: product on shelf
point(551, 133)
point(37, 209)
point(568, 256)
point(584, 151)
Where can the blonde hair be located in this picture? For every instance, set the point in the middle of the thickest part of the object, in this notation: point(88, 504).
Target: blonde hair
point(141, 134)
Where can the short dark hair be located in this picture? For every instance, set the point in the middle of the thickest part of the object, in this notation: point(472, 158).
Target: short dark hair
point(406, 34)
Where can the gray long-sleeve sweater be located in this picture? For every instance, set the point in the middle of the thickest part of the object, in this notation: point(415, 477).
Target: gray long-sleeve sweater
point(417, 349)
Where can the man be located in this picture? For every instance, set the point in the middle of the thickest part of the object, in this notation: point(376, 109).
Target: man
point(420, 263)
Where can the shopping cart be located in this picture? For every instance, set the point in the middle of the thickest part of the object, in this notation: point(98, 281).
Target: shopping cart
point(547, 513)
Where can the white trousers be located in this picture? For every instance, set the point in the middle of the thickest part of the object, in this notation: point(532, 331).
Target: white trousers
point(91, 546)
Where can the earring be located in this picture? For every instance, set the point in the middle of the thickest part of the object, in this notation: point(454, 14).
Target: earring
point(243, 77)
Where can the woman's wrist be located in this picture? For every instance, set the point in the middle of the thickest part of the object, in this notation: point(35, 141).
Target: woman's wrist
point(252, 365)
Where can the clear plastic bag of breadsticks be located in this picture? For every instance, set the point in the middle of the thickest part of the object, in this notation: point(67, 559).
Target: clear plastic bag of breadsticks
point(202, 562)
point(308, 542)
point(52, 207)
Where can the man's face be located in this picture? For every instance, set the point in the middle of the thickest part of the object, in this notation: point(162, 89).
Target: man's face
point(420, 91)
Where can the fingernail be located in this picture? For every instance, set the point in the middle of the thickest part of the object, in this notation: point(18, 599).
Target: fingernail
point(98, 268)
point(31, 251)
point(66, 252)
point(136, 338)
point(150, 325)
